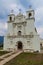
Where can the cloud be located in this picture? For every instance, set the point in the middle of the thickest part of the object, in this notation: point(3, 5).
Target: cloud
point(40, 31)
point(39, 14)
point(5, 8)
point(7, 5)
point(39, 20)
point(3, 28)
point(16, 8)
point(36, 3)
point(3, 25)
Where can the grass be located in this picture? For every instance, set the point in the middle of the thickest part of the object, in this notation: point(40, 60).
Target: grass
point(3, 52)
point(27, 59)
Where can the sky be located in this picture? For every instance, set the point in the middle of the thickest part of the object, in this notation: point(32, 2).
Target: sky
point(7, 5)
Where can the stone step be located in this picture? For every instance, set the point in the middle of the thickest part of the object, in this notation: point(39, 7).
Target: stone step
point(10, 57)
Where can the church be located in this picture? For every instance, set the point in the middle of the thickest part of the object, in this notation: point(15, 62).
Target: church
point(22, 33)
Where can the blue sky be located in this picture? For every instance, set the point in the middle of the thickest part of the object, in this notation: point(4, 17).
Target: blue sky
point(7, 5)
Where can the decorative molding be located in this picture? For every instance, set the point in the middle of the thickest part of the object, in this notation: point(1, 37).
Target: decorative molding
point(30, 18)
point(30, 11)
point(19, 22)
point(14, 25)
point(10, 21)
point(21, 36)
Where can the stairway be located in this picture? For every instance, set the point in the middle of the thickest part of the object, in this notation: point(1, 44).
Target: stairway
point(8, 57)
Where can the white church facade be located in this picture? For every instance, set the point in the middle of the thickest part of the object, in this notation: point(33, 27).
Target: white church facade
point(22, 33)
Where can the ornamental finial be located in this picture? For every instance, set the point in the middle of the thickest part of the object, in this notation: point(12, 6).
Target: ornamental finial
point(12, 11)
point(30, 6)
point(20, 10)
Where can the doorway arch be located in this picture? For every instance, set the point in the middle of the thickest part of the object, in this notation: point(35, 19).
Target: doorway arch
point(20, 45)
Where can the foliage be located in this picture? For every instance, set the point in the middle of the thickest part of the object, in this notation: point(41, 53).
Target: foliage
point(27, 59)
point(3, 52)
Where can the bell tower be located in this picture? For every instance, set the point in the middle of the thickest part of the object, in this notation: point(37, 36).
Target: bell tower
point(11, 16)
point(30, 13)
point(11, 19)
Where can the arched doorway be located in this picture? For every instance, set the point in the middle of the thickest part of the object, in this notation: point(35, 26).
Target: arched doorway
point(20, 46)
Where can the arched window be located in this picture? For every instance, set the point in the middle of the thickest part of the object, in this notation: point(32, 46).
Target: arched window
point(30, 14)
point(19, 33)
point(10, 18)
point(41, 44)
point(41, 47)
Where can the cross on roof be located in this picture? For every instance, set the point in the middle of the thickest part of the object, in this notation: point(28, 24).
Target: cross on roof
point(19, 10)
point(12, 11)
point(30, 6)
